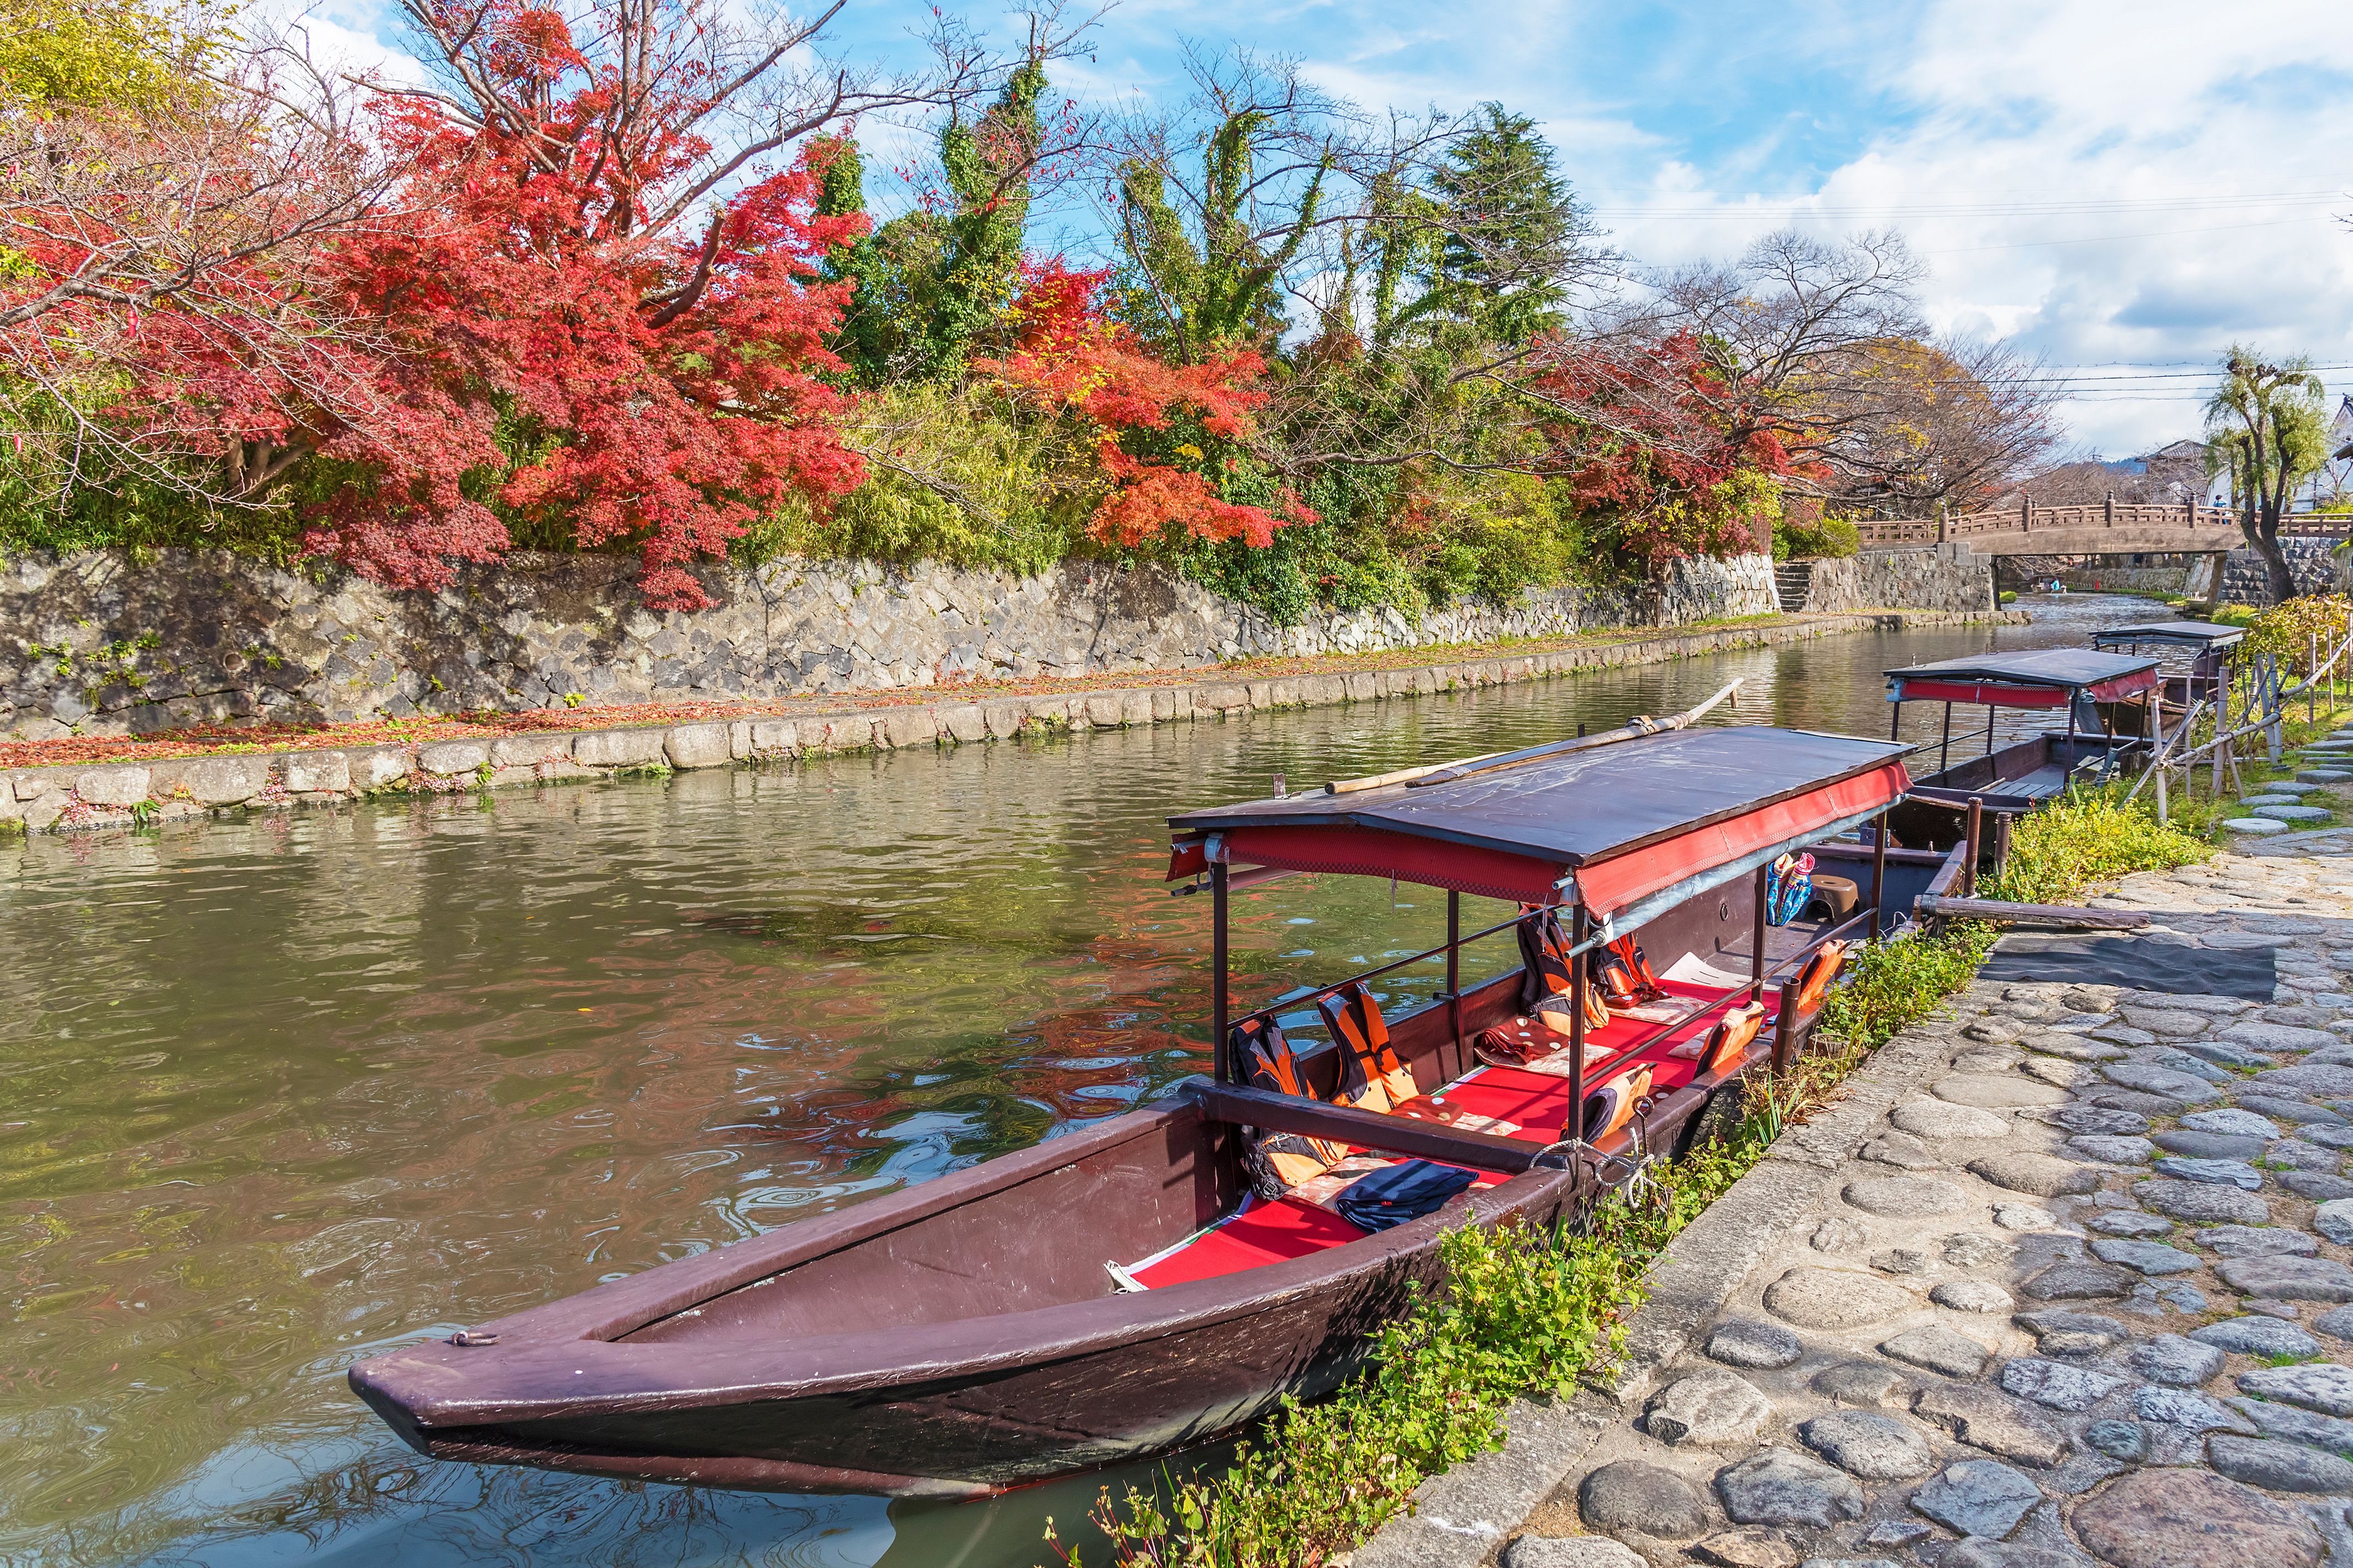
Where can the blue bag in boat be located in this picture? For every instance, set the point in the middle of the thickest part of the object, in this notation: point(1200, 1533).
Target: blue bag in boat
point(1396, 1194)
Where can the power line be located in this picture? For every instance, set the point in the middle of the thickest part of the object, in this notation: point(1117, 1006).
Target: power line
point(1735, 208)
point(2111, 239)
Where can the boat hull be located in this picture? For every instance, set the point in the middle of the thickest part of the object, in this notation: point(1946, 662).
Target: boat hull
point(970, 1409)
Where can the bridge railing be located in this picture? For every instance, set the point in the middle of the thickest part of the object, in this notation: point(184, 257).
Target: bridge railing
point(2027, 517)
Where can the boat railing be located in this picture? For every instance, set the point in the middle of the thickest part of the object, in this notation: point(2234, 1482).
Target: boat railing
point(1300, 1000)
point(1762, 980)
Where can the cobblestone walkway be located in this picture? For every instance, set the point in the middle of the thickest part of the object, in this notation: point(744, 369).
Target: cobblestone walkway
point(2078, 1290)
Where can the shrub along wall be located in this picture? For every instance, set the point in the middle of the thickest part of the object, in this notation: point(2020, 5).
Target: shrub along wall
point(99, 643)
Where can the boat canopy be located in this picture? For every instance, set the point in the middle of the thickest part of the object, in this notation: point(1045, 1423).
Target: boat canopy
point(2199, 635)
point(1613, 826)
point(2043, 677)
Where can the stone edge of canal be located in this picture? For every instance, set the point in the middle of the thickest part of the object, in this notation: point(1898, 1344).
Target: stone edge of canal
point(88, 795)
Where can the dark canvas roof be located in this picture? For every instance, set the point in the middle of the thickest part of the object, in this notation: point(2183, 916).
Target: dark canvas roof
point(2198, 633)
point(2067, 668)
point(1584, 806)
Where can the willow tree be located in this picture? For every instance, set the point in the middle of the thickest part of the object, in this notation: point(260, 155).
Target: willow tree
point(2267, 429)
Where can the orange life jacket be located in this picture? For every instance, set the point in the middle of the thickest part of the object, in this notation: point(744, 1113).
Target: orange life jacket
point(1629, 953)
point(1546, 977)
point(1610, 1107)
point(1728, 1042)
point(1814, 980)
point(1371, 1075)
point(1263, 1059)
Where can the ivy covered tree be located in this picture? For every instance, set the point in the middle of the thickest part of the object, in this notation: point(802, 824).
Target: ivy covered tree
point(1210, 241)
point(931, 285)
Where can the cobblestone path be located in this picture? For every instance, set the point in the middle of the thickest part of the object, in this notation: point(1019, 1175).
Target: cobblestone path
point(2078, 1293)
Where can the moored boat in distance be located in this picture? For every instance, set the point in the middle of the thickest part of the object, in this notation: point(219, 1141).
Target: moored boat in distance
point(1167, 1274)
point(2095, 690)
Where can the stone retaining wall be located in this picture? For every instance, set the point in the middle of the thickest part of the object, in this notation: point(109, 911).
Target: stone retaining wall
point(2099, 578)
point(2312, 562)
point(1941, 577)
point(99, 795)
point(96, 643)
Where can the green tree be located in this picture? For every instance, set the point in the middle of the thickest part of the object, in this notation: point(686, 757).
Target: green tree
point(2268, 430)
point(1514, 235)
point(1206, 262)
point(866, 338)
point(95, 54)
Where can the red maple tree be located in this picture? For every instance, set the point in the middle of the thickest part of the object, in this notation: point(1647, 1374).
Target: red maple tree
point(1139, 410)
point(653, 386)
point(1652, 438)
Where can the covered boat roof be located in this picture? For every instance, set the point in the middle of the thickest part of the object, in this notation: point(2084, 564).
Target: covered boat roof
point(2040, 678)
point(1625, 820)
point(2188, 634)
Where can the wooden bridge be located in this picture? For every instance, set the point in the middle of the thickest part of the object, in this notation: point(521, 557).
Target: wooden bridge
point(2102, 528)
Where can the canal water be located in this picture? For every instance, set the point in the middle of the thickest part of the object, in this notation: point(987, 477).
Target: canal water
point(279, 1093)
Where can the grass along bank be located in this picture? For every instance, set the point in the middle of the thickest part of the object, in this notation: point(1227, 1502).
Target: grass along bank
point(1528, 1313)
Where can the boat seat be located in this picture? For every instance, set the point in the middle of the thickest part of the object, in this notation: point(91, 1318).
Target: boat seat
point(2044, 783)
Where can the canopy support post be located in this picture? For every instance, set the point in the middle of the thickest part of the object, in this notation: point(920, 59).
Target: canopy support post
point(1757, 935)
point(1784, 1028)
point(1454, 972)
point(1977, 830)
point(1945, 749)
point(1879, 877)
point(1991, 711)
point(1895, 719)
point(1220, 1065)
point(1580, 927)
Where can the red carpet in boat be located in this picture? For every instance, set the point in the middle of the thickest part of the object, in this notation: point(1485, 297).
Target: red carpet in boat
point(1269, 1233)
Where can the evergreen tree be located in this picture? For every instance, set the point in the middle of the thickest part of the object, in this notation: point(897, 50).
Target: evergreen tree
point(1514, 235)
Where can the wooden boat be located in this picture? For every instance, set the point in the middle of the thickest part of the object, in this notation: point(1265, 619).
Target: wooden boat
point(2095, 688)
point(967, 1335)
point(2193, 658)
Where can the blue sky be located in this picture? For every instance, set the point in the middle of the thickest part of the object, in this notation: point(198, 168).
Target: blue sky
point(2122, 189)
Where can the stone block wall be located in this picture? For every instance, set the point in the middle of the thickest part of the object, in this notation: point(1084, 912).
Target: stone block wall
point(2312, 562)
point(1935, 577)
point(98, 644)
point(2099, 578)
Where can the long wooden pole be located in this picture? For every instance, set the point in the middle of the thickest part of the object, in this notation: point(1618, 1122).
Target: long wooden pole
point(1463, 767)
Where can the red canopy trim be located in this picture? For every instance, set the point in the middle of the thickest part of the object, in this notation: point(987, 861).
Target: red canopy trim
point(2004, 694)
point(1614, 884)
point(1376, 852)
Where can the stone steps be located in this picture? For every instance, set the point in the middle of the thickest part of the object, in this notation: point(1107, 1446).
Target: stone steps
point(1794, 581)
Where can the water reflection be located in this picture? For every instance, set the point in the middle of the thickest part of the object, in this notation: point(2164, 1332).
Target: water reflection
point(279, 1093)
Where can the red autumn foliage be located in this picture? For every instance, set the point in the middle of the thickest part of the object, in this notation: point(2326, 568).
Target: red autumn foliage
point(665, 389)
point(1652, 438)
point(526, 330)
point(1068, 355)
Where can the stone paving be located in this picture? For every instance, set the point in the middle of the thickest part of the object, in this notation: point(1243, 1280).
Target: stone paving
point(2076, 1291)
